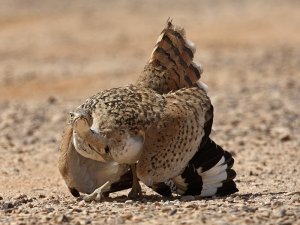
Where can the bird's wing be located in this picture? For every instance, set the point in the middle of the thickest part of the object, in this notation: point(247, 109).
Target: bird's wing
point(85, 175)
point(171, 64)
point(172, 142)
point(64, 149)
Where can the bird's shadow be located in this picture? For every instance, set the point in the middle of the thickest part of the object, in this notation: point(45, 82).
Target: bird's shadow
point(157, 198)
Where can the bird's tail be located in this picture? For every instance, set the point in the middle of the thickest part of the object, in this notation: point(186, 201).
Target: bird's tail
point(171, 64)
point(214, 165)
point(208, 173)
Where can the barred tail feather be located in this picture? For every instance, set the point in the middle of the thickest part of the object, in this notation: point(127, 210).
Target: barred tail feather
point(217, 178)
point(171, 65)
point(209, 173)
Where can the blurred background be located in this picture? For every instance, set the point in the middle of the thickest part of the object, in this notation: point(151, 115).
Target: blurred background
point(62, 47)
point(56, 53)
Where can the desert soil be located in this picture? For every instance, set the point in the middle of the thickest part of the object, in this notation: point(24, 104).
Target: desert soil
point(54, 54)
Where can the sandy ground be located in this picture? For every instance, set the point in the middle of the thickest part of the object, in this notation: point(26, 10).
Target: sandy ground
point(54, 54)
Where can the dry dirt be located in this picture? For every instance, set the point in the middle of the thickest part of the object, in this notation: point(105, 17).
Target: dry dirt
point(54, 54)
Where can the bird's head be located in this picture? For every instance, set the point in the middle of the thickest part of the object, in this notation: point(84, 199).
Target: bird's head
point(81, 120)
point(112, 144)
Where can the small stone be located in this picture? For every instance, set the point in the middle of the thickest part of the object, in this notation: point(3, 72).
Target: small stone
point(176, 201)
point(277, 203)
point(119, 220)
point(166, 209)
point(172, 212)
point(63, 219)
point(192, 206)
point(7, 205)
point(127, 216)
point(265, 214)
point(282, 133)
point(42, 196)
point(166, 202)
point(1, 198)
point(55, 202)
point(81, 203)
point(295, 199)
point(49, 209)
point(280, 212)
point(52, 100)
point(21, 196)
point(288, 194)
point(222, 223)
point(248, 209)
point(187, 198)
point(77, 210)
point(128, 202)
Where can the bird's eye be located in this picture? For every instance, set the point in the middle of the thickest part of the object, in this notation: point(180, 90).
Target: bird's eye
point(106, 149)
point(71, 116)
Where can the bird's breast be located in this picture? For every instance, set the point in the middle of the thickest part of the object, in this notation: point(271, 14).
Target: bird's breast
point(131, 151)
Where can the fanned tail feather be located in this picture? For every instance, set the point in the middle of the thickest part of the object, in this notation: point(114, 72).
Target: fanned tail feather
point(208, 173)
point(216, 173)
point(171, 65)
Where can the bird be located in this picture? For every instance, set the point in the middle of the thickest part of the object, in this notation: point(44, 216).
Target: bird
point(84, 175)
point(158, 127)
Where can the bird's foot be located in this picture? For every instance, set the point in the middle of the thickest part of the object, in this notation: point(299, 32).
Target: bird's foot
point(98, 194)
point(136, 191)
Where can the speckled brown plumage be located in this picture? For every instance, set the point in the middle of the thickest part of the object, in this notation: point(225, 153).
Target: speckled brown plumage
point(174, 139)
point(128, 107)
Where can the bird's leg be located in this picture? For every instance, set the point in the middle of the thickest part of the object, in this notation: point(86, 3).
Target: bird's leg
point(98, 193)
point(136, 190)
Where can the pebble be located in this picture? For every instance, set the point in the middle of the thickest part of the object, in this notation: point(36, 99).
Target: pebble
point(277, 203)
point(77, 210)
point(166, 202)
point(49, 209)
point(279, 213)
point(172, 212)
point(7, 205)
point(127, 216)
point(187, 198)
point(222, 223)
point(293, 193)
point(128, 202)
point(21, 196)
point(249, 209)
point(42, 196)
point(265, 213)
point(177, 203)
point(119, 220)
point(192, 206)
point(63, 219)
point(81, 203)
point(282, 133)
point(166, 209)
point(88, 221)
